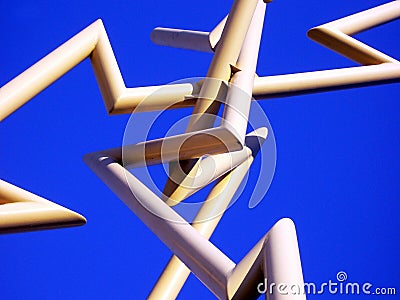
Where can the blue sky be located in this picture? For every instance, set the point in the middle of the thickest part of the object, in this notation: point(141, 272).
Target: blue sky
point(337, 167)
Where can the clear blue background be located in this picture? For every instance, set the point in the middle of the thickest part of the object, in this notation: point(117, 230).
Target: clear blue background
point(337, 170)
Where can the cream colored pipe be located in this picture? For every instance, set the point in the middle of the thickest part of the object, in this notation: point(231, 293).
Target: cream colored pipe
point(188, 39)
point(216, 33)
point(367, 19)
point(267, 87)
point(236, 108)
point(206, 261)
point(336, 35)
point(238, 100)
point(327, 80)
point(91, 42)
point(22, 211)
point(152, 98)
point(282, 263)
point(209, 168)
point(348, 46)
point(182, 146)
point(225, 57)
point(206, 107)
point(35, 79)
point(213, 166)
point(175, 273)
point(273, 261)
point(180, 38)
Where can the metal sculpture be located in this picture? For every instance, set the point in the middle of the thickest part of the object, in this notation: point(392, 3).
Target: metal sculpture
point(235, 42)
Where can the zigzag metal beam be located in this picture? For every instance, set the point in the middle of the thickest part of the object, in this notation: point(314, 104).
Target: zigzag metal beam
point(336, 35)
point(91, 42)
point(175, 273)
point(276, 250)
